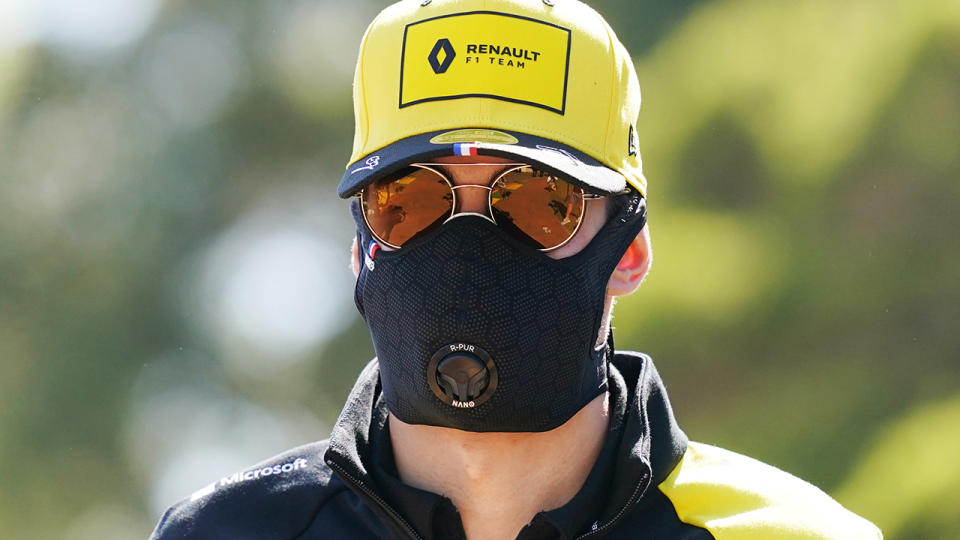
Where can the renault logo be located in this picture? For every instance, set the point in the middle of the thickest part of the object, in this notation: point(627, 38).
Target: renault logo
point(443, 46)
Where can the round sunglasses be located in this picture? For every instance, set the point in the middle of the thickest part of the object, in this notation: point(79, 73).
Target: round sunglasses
point(537, 207)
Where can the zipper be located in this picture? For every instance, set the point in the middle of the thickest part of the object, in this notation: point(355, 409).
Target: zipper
point(383, 504)
point(641, 488)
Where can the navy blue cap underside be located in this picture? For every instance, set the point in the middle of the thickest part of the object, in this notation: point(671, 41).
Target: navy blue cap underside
point(549, 155)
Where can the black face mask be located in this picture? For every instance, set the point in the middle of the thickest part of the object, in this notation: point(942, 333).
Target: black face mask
point(475, 330)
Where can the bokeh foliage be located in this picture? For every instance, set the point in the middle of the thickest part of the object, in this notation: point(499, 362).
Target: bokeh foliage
point(160, 198)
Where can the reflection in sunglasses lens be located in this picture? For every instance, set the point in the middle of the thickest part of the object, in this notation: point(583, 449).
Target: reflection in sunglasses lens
point(401, 208)
point(543, 210)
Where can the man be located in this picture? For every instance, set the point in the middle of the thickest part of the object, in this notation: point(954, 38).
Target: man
point(500, 209)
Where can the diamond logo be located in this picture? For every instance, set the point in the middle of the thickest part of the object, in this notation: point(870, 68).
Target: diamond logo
point(443, 47)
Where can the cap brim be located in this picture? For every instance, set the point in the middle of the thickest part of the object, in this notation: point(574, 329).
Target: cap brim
point(551, 156)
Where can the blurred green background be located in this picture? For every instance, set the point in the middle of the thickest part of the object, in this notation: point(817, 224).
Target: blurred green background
point(175, 302)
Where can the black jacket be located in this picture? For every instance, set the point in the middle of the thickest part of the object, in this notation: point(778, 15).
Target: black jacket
point(649, 482)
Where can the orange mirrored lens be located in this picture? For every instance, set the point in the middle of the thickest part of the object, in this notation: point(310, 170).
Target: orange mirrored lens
point(543, 210)
point(414, 202)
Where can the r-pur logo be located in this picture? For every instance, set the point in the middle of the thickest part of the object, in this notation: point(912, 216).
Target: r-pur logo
point(253, 474)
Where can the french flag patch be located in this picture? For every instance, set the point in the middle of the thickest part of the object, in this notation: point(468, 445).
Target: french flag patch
point(372, 250)
point(465, 149)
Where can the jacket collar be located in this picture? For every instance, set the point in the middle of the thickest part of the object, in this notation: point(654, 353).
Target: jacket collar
point(646, 445)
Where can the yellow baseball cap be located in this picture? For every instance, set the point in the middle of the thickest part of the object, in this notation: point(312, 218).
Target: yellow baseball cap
point(546, 82)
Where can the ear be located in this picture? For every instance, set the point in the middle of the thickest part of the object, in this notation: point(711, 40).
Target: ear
point(633, 266)
point(355, 257)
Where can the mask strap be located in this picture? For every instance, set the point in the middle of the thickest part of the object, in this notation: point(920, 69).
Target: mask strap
point(612, 240)
point(363, 233)
point(363, 240)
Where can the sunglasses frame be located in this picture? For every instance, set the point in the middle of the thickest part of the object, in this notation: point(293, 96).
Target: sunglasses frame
point(510, 167)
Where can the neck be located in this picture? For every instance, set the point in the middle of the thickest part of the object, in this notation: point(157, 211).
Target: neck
point(499, 481)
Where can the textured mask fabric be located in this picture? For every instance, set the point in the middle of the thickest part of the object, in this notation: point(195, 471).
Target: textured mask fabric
point(469, 281)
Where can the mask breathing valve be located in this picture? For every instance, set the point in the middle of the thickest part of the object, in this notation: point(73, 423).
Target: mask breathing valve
point(462, 375)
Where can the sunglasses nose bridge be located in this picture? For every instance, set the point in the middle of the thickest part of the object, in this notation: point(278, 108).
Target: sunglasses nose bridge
point(472, 199)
